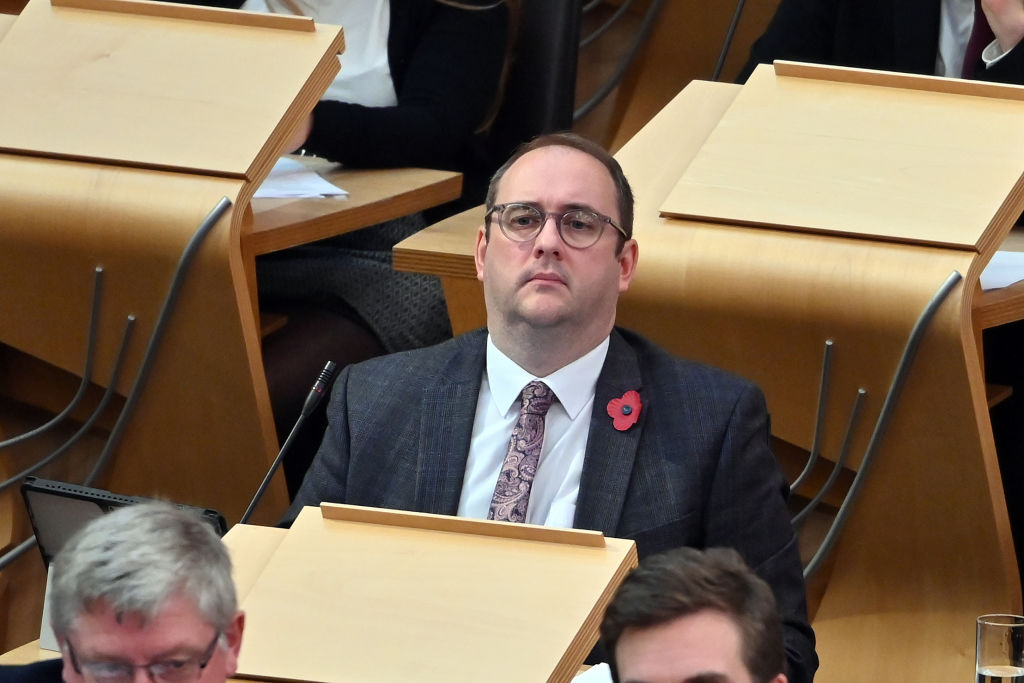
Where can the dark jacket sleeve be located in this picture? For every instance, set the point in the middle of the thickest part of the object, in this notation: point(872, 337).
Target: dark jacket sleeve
point(801, 30)
point(747, 510)
point(446, 64)
point(38, 672)
point(1009, 69)
point(327, 475)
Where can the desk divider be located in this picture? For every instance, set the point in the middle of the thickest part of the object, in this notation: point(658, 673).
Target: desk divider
point(462, 525)
point(354, 594)
point(132, 120)
point(151, 8)
point(828, 150)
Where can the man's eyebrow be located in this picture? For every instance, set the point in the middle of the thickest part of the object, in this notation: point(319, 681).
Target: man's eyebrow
point(176, 652)
point(703, 677)
point(709, 677)
point(568, 206)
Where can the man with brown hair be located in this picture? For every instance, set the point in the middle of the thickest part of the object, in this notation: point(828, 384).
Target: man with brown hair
point(694, 617)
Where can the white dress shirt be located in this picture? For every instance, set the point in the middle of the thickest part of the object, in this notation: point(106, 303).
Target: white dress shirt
point(557, 484)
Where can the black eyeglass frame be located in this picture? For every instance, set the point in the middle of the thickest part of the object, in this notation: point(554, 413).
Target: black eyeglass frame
point(203, 661)
point(544, 215)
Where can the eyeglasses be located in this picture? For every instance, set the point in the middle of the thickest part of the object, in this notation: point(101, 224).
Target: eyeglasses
point(579, 228)
point(167, 671)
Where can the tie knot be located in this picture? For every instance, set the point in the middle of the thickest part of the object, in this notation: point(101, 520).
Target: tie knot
point(537, 398)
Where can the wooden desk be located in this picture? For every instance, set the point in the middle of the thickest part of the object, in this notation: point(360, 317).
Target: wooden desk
point(594, 571)
point(209, 396)
point(123, 184)
point(6, 20)
point(375, 196)
point(906, 582)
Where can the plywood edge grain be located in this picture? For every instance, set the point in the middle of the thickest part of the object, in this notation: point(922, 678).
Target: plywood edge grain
point(462, 525)
point(375, 196)
point(892, 79)
point(150, 8)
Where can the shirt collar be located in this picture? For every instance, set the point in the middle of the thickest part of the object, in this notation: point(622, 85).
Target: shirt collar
point(574, 384)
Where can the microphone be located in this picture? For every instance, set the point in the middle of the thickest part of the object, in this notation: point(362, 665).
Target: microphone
point(316, 393)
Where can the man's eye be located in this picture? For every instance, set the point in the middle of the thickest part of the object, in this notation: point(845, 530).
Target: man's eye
point(170, 665)
point(579, 222)
point(523, 220)
point(110, 671)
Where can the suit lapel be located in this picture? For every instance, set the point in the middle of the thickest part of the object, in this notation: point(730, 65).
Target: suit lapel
point(916, 35)
point(446, 427)
point(608, 464)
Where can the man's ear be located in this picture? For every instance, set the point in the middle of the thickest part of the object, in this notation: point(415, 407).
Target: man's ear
point(233, 634)
point(781, 678)
point(480, 252)
point(627, 259)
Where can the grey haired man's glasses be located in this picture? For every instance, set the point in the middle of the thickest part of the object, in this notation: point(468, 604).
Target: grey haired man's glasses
point(166, 671)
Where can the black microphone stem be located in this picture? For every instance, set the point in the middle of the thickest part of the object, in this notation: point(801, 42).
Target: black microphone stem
point(320, 387)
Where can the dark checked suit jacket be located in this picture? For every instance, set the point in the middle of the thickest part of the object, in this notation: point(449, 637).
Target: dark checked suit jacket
point(695, 470)
point(48, 671)
point(890, 35)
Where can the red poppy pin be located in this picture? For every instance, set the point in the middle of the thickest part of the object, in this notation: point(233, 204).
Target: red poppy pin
point(625, 411)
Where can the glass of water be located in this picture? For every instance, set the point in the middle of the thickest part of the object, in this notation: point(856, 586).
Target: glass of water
point(1000, 648)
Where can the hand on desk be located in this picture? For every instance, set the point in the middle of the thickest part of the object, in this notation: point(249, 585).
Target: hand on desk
point(298, 137)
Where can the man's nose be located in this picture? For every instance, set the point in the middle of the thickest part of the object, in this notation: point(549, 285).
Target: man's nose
point(549, 239)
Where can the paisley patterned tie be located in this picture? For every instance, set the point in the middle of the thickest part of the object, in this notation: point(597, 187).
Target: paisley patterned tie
point(512, 493)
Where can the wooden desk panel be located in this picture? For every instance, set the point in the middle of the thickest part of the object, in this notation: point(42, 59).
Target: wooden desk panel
point(6, 21)
point(906, 584)
point(375, 196)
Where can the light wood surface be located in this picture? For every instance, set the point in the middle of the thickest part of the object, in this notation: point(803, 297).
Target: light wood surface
point(926, 160)
point(201, 430)
point(6, 21)
point(160, 92)
point(908, 578)
point(150, 8)
point(253, 547)
point(27, 654)
point(462, 525)
point(387, 602)
point(375, 196)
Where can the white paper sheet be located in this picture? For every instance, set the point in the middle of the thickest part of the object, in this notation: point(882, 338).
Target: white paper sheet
point(291, 178)
point(1005, 268)
point(595, 674)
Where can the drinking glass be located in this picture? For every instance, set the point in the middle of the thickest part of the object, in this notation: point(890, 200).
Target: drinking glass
point(1000, 648)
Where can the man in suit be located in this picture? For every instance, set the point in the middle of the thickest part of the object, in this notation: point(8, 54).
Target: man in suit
point(635, 443)
point(691, 615)
point(145, 590)
point(914, 36)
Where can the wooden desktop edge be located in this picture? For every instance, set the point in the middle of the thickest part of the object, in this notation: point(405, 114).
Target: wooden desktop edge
point(375, 196)
point(462, 525)
point(215, 14)
point(445, 249)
